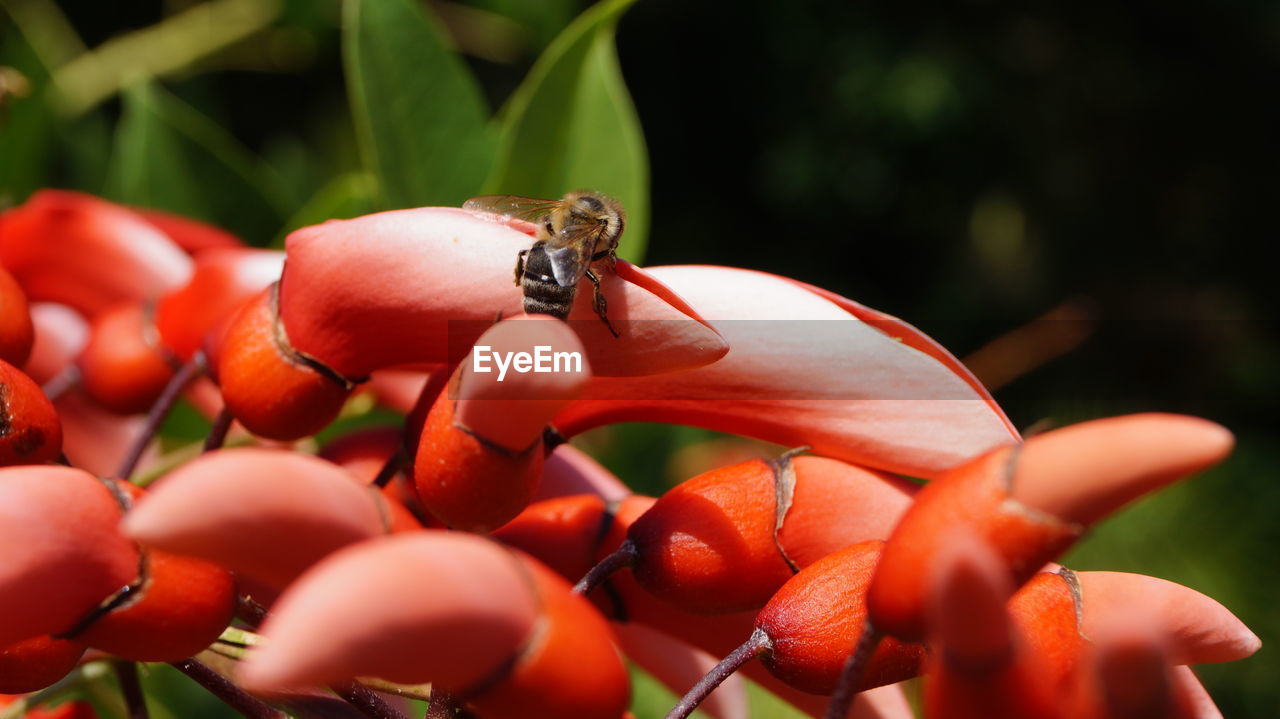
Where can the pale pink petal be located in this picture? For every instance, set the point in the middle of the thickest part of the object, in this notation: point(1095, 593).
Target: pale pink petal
point(568, 470)
point(509, 407)
point(88, 253)
point(429, 606)
point(1201, 703)
point(420, 285)
point(60, 335)
point(1086, 471)
point(1199, 629)
point(886, 702)
point(802, 370)
point(266, 513)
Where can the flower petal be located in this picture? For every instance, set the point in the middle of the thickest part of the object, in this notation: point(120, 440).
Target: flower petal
point(1198, 628)
point(418, 285)
point(267, 513)
point(88, 253)
point(430, 606)
point(803, 370)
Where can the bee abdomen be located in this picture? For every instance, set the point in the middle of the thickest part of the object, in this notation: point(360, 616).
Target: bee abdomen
point(542, 294)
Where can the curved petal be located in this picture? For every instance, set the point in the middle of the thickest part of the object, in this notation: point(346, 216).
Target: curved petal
point(266, 513)
point(1198, 629)
point(88, 253)
point(1087, 471)
point(803, 370)
point(568, 470)
point(191, 235)
point(420, 285)
point(429, 606)
point(60, 335)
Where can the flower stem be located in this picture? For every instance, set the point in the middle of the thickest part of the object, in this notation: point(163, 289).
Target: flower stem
point(757, 644)
point(218, 432)
point(851, 675)
point(60, 383)
point(127, 674)
point(623, 556)
point(228, 692)
point(366, 700)
point(442, 706)
point(163, 404)
point(391, 467)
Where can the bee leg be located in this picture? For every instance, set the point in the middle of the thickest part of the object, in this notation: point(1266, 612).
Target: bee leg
point(599, 304)
point(609, 256)
point(520, 266)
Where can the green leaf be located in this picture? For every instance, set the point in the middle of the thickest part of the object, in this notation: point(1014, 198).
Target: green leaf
point(421, 119)
point(170, 157)
point(26, 123)
point(572, 125)
point(345, 196)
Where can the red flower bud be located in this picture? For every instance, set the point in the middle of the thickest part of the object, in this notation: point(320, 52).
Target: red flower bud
point(480, 453)
point(30, 431)
point(273, 391)
point(124, 368)
point(16, 331)
point(33, 664)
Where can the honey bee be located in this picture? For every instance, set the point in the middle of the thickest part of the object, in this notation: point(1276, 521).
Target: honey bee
point(577, 237)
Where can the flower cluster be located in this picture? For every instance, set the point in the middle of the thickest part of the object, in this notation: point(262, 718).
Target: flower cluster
point(444, 551)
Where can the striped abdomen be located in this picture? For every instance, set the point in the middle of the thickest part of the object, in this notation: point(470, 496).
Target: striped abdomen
point(542, 295)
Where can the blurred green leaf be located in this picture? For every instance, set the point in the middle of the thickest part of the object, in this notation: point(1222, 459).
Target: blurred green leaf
point(544, 18)
point(572, 125)
point(345, 196)
point(419, 114)
point(168, 156)
point(86, 144)
point(26, 123)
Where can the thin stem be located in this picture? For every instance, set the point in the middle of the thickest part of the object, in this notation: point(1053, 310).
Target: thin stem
point(391, 467)
point(441, 706)
point(420, 692)
point(623, 556)
point(127, 674)
point(366, 700)
point(757, 644)
point(228, 692)
point(851, 675)
point(163, 404)
point(249, 611)
point(61, 382)
point(218, 432)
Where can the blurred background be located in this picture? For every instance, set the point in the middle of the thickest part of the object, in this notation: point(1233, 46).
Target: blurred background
point(1074, 199)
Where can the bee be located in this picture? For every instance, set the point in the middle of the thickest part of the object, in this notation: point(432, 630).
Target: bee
point(577, 237)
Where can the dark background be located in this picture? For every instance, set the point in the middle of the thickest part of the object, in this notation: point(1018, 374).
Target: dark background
point(966, 166)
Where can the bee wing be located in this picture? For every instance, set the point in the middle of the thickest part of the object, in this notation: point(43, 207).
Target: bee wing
point(525, 208)
point(568, 263)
